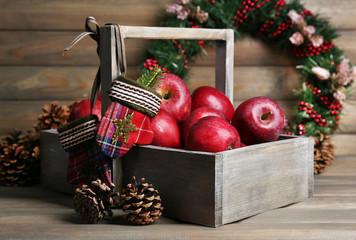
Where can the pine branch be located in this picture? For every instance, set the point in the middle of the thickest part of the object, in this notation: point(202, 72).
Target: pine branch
point(152, 78)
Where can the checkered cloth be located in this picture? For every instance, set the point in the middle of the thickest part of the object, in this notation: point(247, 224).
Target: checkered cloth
point(86, 161)
point(118, 146)
point(87, 164)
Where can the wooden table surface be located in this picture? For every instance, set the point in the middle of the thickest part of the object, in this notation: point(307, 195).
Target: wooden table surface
point(38, 213)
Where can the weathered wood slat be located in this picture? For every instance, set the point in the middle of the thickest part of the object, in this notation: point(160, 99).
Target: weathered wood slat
point(23, 114)
point(341, 14)
point(46, 48)
point(54, 83)
point(69, 15)
point(341, 190)
point(64, 15)
point(344, 144)
point(172, 229)
point(20, 82)
point(337, 178)
point(286, 215)
point(347, 123)
point(346, 42)
point(66, 83)
point(344, 167)
point(329, 202)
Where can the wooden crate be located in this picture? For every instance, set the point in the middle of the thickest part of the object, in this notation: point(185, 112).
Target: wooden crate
point(212, 189)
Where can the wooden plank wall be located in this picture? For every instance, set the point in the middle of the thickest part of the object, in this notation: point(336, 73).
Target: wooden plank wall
point(34, 71)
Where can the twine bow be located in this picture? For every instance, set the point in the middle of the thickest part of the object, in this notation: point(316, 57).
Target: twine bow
point(94, 33)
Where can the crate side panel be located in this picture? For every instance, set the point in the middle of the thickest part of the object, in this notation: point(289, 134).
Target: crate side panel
point(264, 178)
point(54, 163)
point(186, 181)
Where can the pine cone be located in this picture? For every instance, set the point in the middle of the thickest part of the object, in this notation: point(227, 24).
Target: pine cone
point(54, 115)
point(94, 202)
point(323, 152)
point(19, 159)
point(143, 201)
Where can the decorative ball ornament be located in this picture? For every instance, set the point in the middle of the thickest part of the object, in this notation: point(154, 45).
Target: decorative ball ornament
point(326, 74)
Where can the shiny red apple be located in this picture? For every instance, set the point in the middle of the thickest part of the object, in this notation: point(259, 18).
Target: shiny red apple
point(196, 115)
point(176, 98)
point(82, 109)
point(211, 97)
point(212, 134)
point(165, 130)
point(258, 120)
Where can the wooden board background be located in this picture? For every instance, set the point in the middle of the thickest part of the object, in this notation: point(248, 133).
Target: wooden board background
point(34, 71)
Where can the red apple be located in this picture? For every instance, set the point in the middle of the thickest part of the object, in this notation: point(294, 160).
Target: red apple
point(176, 98)
point(165, 130)
point(82, 109)
point(195, 116)
point(258, 120)
point(212, 134)
point(211, 97)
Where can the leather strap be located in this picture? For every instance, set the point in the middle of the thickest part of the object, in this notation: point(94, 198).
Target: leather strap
point(120, 55)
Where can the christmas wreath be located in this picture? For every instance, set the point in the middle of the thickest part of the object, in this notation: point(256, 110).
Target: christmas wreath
point(326, 75)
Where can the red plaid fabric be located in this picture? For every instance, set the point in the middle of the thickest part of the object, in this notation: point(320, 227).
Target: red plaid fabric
point(87, 164)
point(106, 131)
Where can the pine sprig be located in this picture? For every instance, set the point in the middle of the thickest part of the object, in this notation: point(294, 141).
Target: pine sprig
point(152, 78)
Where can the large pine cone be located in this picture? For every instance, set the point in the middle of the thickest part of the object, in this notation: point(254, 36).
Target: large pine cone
point(143, 202)
point(19, 159)
point(54, 115)
point(323, 153)
point(94, 202)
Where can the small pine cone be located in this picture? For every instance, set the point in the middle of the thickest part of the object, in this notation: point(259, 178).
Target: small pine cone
point(95, 202)
point(19, 159)
point(53, 115)
point(143, 202)
point(323, 152)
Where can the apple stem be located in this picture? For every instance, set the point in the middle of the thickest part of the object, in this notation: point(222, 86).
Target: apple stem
point(166, 95)
point(266, 115)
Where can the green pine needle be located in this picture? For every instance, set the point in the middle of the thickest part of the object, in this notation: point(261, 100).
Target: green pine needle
point(152, 78)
